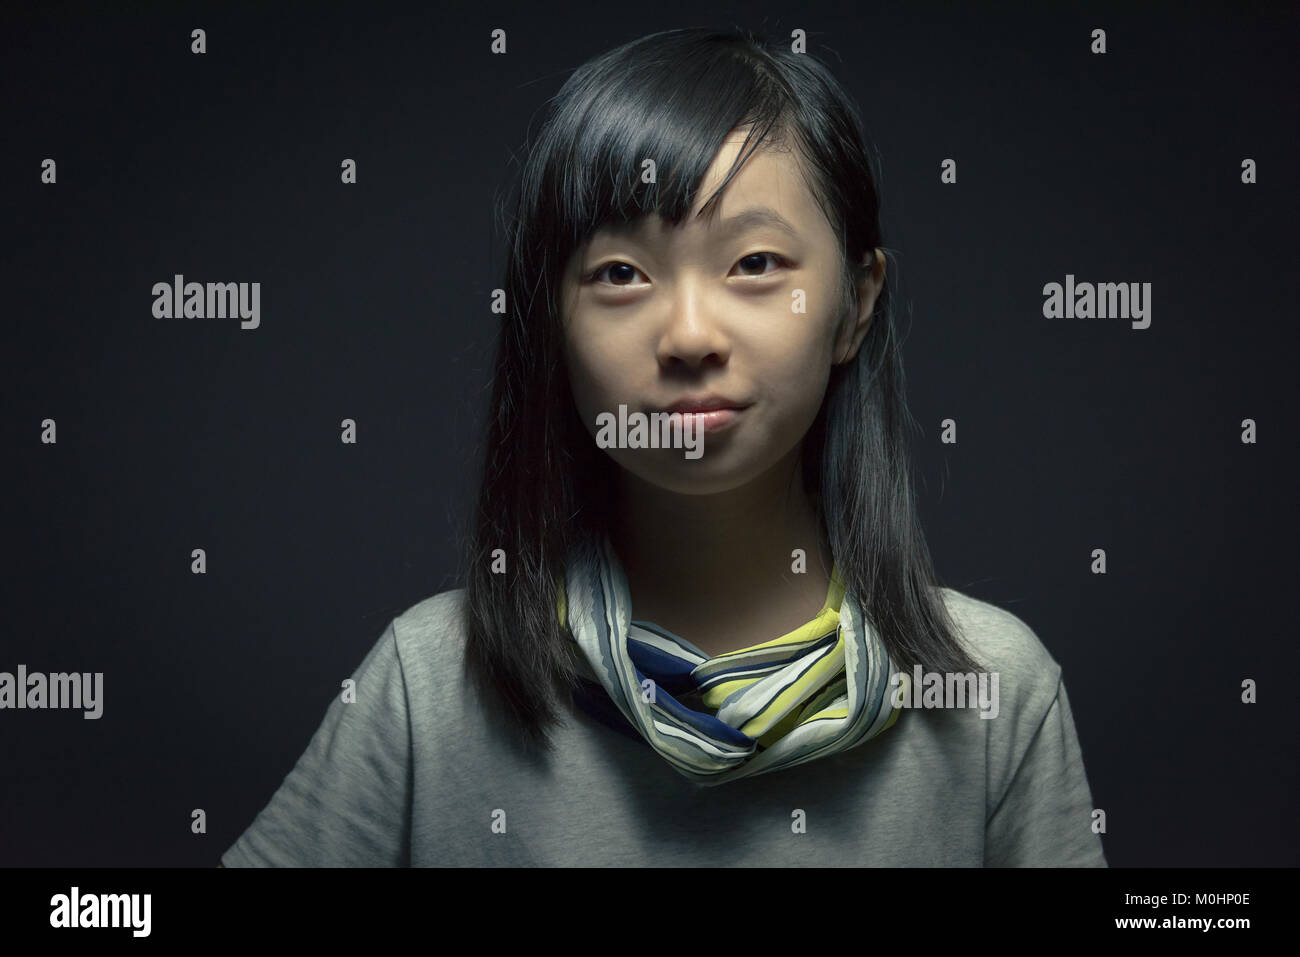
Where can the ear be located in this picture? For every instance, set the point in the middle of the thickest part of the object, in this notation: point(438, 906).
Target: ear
point(869, 285)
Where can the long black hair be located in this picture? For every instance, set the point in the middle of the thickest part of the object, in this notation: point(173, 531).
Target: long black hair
point(545, 486)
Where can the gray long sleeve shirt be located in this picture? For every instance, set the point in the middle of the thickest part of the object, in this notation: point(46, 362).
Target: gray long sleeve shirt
point(419, 771)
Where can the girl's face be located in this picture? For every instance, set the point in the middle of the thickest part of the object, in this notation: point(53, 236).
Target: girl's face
point(737, 308)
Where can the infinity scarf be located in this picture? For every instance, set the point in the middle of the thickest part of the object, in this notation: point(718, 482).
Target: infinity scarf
point(821, 689)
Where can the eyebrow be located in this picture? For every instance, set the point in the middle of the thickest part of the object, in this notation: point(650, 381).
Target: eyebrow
point(753, 217)
point(749, 218)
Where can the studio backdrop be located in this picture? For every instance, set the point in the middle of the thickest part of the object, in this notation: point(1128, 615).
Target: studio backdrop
point(213, 517)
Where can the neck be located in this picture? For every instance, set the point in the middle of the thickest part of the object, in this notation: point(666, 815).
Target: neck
point(722, 565)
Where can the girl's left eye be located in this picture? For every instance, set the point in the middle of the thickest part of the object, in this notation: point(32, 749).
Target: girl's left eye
point(752, 257)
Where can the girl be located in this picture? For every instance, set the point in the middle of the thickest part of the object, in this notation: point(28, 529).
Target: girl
point(700, 624)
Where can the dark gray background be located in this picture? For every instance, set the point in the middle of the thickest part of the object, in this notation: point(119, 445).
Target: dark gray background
point(1073, 434)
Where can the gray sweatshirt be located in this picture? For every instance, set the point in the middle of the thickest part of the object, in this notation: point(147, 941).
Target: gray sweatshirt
point(418, 771)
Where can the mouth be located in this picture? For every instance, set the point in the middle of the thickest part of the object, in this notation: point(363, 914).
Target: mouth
point(708, 421)
point(705, 414)
point(705, 403)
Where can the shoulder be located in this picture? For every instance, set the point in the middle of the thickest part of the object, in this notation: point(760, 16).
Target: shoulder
point(1005, 645)
point(1001, 641)
point(433, 619)
point(1028, 682)
point(429, 637)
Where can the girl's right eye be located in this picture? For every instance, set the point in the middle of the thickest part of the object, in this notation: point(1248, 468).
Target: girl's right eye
point(625, 271)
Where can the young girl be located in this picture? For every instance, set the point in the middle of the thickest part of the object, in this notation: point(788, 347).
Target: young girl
point(700, 624)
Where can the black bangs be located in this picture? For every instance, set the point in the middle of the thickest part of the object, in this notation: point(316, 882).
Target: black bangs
point(635, 134)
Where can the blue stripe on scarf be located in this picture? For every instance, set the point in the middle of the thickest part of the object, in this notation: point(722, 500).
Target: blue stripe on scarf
point(667, 670)
point(700, 720)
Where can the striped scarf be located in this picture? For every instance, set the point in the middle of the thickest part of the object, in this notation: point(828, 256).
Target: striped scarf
point(820, 689)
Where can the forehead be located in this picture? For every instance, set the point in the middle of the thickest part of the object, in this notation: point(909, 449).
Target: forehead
point(769, 190)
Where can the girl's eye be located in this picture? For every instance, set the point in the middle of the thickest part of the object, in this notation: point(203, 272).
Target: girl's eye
point(756, 260)
point(621, 271)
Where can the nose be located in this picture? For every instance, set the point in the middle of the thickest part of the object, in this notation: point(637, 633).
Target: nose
point(692, 335)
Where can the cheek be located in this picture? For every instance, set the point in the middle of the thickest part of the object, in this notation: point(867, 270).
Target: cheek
point(593, 379)
point(797, 403)
point(796, 374)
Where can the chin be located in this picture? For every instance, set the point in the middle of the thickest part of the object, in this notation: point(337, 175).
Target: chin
point(695, 476)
